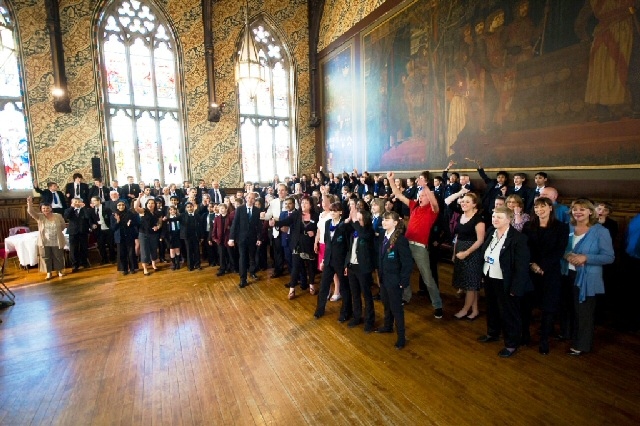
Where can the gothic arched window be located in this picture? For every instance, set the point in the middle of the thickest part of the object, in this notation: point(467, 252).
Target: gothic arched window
point(267, 135)
point(13, 126)
point(141, 93)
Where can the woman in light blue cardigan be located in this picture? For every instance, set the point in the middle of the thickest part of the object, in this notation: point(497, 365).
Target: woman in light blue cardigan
point(589, 248)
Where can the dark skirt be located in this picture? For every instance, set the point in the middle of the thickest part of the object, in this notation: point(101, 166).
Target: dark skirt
point(467, 273)
point(174, 239)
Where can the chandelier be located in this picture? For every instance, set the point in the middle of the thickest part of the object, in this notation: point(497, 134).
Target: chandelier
point(250, 71)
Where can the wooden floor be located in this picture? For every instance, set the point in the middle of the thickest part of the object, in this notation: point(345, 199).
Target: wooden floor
point(98, 348)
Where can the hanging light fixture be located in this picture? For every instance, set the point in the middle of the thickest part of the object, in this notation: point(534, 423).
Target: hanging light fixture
point(249, 70)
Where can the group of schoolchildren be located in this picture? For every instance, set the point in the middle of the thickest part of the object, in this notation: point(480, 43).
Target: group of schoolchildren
point(197, 221)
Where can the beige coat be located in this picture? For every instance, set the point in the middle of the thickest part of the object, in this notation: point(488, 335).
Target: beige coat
point(40, 218)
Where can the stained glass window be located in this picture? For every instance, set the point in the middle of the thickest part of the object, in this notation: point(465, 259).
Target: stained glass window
point(266, 122)
point(138, 63)
point(13, 130)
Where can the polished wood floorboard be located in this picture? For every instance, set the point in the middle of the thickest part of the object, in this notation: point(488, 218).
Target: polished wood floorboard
point(185, 348)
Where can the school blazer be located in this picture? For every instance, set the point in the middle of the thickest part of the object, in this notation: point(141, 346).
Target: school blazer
point(395, 263)
point(365, 250)
point(335, 249)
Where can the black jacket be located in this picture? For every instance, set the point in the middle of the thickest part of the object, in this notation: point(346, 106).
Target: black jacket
point(365, 249)
point(514, 261)
point(336, 248)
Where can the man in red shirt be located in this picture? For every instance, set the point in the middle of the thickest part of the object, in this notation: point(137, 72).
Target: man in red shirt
point(423, 214)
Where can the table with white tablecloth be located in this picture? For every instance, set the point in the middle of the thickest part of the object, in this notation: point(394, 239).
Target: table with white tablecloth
point(26, 246)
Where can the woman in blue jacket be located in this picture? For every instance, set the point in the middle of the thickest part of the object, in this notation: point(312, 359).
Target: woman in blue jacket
point(590, 247)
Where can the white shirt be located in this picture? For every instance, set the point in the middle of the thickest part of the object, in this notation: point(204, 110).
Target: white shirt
point(491, 266)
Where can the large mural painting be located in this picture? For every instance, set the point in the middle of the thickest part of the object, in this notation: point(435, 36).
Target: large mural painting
point(516, 84)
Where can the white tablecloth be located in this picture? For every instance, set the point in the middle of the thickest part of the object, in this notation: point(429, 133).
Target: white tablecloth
point(26, 245)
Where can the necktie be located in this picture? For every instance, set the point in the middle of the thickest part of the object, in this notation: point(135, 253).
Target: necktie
point(385, 243)
point(218, 198)
point(77, 190)
point(55, 198)
point(98, 212)
point(100, 194)
point(249, 212)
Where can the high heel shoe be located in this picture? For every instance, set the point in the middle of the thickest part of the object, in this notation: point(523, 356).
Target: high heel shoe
point(312, 290)
point(60, 274)
point(292, 295)
point(472, 318)
point(48, 277)
point(461, 317)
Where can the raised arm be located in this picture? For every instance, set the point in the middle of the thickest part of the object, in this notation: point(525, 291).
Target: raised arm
point(396, 191)
point(33, 212)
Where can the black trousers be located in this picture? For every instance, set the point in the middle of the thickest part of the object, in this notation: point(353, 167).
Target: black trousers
point(106, 245)
point(360, 285)
point(346, 310)
point(391, 296)
point(78, 250)
point(246, 259)
point(503, 313)
point(193, 252)
point(278, 254)
point(584, 322)
point(303, 270)
point(127, 260)
point(225, 258)
point(210, 252)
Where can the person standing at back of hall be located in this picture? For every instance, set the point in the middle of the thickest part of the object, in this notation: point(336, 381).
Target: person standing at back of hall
point(423, 214)
point(77, 189)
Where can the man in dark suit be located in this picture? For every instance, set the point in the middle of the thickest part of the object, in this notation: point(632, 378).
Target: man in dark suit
point(80, 222)
point(216, 193)
point(245, 232)
point(52, 196)
point(101, 218)
point(130, 191)
point(99, 190)
point(77, 189)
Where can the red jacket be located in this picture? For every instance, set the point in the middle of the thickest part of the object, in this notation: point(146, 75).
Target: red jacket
point(220, 234)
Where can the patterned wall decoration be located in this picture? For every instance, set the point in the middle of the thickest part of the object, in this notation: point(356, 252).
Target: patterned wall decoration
point(340, 15)
point(63, 143)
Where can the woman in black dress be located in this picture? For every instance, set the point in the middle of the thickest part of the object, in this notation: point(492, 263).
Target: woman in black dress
point(150, 225)
point(548, 239)
point(467, 259)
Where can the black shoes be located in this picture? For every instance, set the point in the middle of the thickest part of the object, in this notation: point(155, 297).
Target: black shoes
point(543, 348)
point(368, 329)
point(574, 352)
point(318, 315)
point(400, 344)
point(506, 352)
point(242, 284)
point(487, 339)
point(438, 313)
point(220, 273)
point(384, 330)
point(276, 275)
point(344, 318)
point(253, 276)
point(354, 323)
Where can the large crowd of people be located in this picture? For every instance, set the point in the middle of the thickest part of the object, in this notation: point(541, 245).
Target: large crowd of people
point(363, 234)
